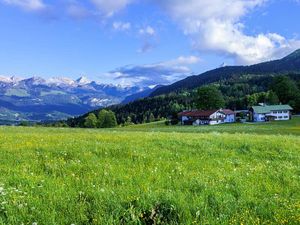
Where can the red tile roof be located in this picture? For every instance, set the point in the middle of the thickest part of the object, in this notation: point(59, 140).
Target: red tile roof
point(198, 113)
point(228, 111)
point(204, 113)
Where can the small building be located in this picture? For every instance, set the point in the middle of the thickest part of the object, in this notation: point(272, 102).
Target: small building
point(230, 116)
point(265, 113)
point(202, 117)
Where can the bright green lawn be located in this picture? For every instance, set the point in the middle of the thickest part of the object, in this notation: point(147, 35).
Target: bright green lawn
point(77, 176)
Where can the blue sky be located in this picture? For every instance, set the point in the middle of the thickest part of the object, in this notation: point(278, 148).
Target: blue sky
point(143, 42)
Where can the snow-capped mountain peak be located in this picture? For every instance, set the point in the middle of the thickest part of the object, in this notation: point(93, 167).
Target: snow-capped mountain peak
point(12, 79)
point(5, 79)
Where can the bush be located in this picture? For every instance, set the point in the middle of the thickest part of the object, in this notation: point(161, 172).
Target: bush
point(90, 121)
point(106, 119)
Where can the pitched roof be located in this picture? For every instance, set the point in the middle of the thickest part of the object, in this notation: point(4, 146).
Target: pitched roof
point(269, 108)
point(198, 113)
point(227, 111)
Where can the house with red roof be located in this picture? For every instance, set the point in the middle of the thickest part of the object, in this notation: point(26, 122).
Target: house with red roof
point(207, 117)
point(230, 116)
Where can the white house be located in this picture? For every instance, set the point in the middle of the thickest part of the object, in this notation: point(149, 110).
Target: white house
point(202, 117)
point(230, 116)
point(270, 112)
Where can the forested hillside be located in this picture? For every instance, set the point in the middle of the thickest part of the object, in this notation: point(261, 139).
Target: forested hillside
point(289, 64)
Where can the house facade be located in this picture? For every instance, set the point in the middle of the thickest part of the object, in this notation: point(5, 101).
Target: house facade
point(229, 116)
point(202, 117)
point(265, 113)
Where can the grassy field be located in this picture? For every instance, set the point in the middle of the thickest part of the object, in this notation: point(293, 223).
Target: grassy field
point(291, 127)
point(151, 175)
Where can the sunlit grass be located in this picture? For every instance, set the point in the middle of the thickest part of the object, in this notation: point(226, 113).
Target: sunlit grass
point(77, 176)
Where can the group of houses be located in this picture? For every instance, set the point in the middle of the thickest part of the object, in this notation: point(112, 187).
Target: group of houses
point(260, 113)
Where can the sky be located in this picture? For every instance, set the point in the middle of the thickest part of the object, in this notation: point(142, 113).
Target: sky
point(142, 42)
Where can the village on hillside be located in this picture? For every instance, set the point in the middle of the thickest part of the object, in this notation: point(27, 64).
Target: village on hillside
point(260, 113)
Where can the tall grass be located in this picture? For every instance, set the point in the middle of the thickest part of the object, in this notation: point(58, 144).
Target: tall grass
point(73, 176)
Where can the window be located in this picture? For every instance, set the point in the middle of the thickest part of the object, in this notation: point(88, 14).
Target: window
point(286, 117)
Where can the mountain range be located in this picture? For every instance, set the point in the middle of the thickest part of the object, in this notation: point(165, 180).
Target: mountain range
point(38, 99)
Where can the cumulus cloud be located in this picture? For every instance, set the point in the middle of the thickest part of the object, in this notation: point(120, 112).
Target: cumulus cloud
point(156, 73)
point(215, 25)
point(212, 25)
point(30, 5)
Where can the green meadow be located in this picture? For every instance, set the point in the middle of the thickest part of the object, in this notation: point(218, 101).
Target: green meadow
point(151, 174)
point(291, 127)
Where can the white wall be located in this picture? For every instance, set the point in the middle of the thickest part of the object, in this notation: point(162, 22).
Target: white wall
point(230, 118)
point(280, 114)
point(259, 117)
point(217, 118)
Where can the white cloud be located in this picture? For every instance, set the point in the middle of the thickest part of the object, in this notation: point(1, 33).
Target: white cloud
point(151, 74)
point(121, 26)
point(30, 5)
point(215, 25)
